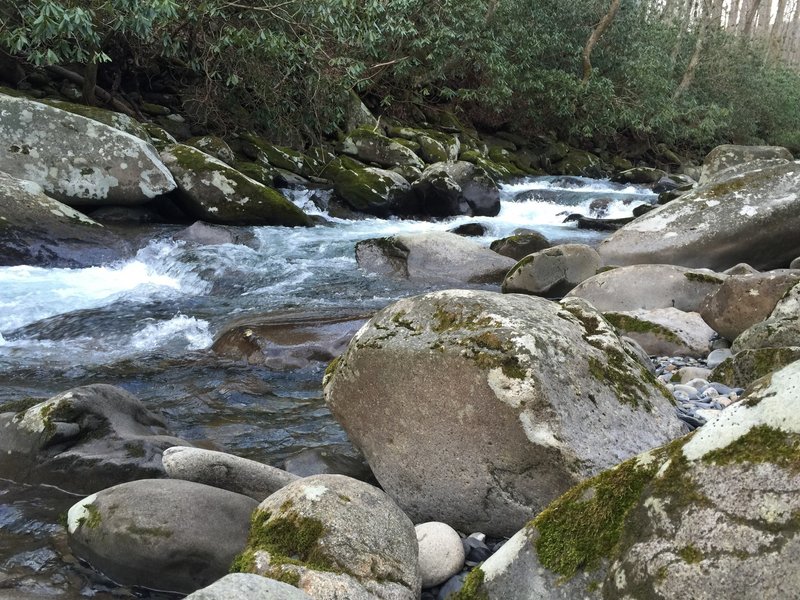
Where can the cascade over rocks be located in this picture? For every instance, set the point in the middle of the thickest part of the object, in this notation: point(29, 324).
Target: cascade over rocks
point(435, 257)
point(161, 534)
point(112, 167)
point(517, 397)
point(38, 230)
point(212, 191)
point(84, 438)
point(668, 286)
point(334, 537)
point(751, 218)
point(712, 515)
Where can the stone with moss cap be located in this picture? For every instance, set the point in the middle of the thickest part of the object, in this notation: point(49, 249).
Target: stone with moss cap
point(728, 156)
point(745, 367)
point(368, 145)
point(703, 517)
point(212, 191)
point(161, 534)
point(329, 531)
point(516, 396)
point(375, 191)
point(665, 331)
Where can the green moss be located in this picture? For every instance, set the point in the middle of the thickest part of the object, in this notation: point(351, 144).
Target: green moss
point(762, 444)
point(675, 484)
point(628, 387)
point(398, 320)
point(21, 405)
point(703, 278)
point(94, 518)
point(135, 449)
point(690, 554)
point(472, 588)
point(289, 538)
point(583, 527)
point(519, 266)
point(631, 324)
point(452, 319)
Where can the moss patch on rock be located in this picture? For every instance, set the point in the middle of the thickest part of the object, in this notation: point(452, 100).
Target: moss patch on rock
point(473, 587)
point(704, 278)
point(762, 444)
point(632, 324)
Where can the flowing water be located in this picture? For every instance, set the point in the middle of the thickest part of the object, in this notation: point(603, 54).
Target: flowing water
point(147, 325)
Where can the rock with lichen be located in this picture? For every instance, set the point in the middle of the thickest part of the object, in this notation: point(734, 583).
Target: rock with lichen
point(112, 166)
point(368, 145)
point(744, 367)
point(707, 515)
point(752, 217)
point(374, 191)
point(212, 191)
point(160, 534)
point(728, 159)
point(38, 230)
point(250, 587)
point(333, 536)
point(516, 397)
point(87, 437)
point(552, 272)
point(665, 331)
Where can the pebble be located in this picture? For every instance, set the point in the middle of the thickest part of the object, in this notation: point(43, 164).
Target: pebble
point(698, 400)
point(441, 553)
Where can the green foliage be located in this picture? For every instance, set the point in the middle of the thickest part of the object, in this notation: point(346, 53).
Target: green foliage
point(287, 67)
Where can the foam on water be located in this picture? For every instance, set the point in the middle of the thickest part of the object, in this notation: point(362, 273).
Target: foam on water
point(187, 332)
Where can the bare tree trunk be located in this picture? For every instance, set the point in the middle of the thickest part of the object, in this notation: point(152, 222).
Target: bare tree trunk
point(704, 25)
point(776, 32)
point(747, 29)
point(597, 32)
point(733, 15)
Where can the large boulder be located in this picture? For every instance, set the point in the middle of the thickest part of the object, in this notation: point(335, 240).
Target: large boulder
point(744, 300)
point(552, 272)
point(665, 331)
point(457, 188)
point(753, 218)
point(247, 586)
point(112, 167)
point(746, 366)
point(225, 471)
point(713, 515)
point(330, 532)
point(375, 191)
point(36, 229)
point(517, 398)
point(781, 329)
point(432, 257)
point(162, 534)
point(648, 287)
point(212, 191)
point(728, 156)
point(370, 146)
point(520, 245)
point(82, 439)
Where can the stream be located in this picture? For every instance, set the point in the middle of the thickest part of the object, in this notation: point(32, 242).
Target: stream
point(147, 325)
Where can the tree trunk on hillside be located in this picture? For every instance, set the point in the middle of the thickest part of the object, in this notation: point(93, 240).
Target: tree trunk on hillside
point(747, 29)
point(777, 30)
point(705, 23)
point(597, 32)
point(733, 15)
point(89, 84)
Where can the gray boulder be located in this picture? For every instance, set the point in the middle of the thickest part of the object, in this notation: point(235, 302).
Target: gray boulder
point(552, 272)
point(375, 191)
point(516, 397)
point(664, 331)
point(329, 531)
point(432, 257)
point(648, 287)
point(704, 517)
point(753, 218)
point(112, 167)
point(520, 245)
point(161, 534)
point(725, 157)
point(225, 471)
point(212, 191)
point(744, 300)
point(746, 366)
point(82, 439)
point(369, 146)
point(246, 586)
point(781, 329)
point(38, 230)
point(456, 188)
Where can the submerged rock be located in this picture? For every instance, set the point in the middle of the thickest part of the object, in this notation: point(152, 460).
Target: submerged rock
point(753, 218)
point(112, 167)
point(706, 517)
point(161, 534)
point(38, 230)
point(330, 532)
point(84, 439)
point(516, 397)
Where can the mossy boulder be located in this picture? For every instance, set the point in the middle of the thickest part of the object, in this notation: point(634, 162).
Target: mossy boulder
point(212, 191)
point(520, 245)
point(112, 167)
point(456, 188)
point(370, 146)
point(746, 366)
point(375, 191)
point(82, 439)
point(714, 511)
point(108, 117)
point(517, 397)
point(431, 150)
point(641, 175)
point(744, 300)
point(580, 162)
point(215, 146)
point(728, 156)
point(282, 157)
point(330, 531)
point(38, 230)
point(668, 286)
point(160, 534)
point(751, 218)
point(665, 331)
point(159, 137)
point(552, 272)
